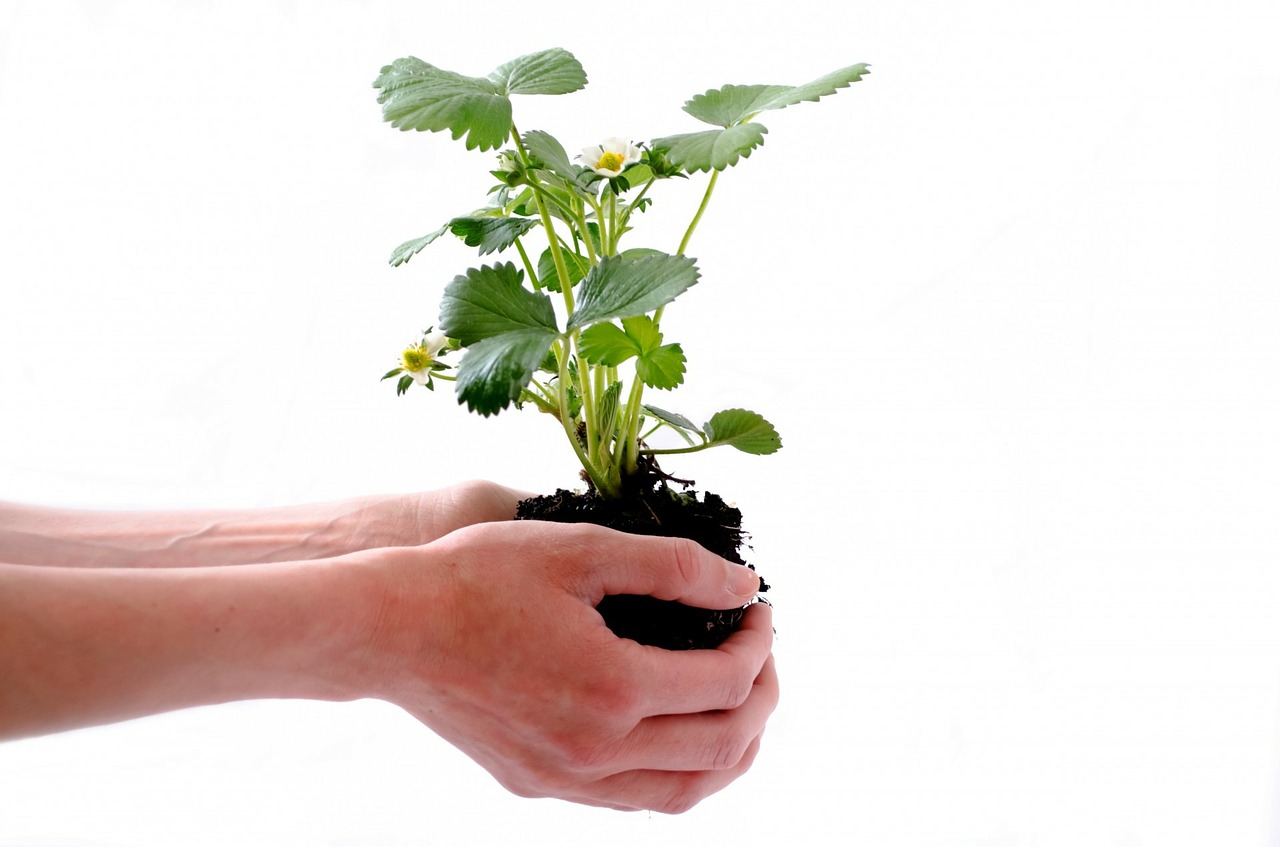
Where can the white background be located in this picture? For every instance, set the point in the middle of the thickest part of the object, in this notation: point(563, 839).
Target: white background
point(1012, 301)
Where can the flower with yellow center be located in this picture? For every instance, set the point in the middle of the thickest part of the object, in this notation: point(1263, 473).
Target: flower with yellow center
point(611, 157)
point(417, 360)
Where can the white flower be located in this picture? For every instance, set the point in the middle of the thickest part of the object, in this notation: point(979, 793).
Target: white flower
point(507, 162)
point(611, 157)
point(417, 360)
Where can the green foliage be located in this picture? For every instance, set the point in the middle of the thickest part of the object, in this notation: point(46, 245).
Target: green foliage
point(490, 234)
point(613, 298)
point(712, 149)
point(735, 104)
point(495, 371)
point(743, 429)
point(658, 365)
point(490, 301)
point(417, 95)
point(409, 249)
point(662, 367)
point(553, 71)
point(551, 154)
point(609, 407)
point(576, 265)
point(625, 286)
point(672, 419)
point(732, 108)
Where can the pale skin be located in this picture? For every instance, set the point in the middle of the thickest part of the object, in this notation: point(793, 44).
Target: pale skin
point(482, 628)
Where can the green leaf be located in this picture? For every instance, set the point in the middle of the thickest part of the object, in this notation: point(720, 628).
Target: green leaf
point(728, 105)
point(746, 430)
point(673, 419)
point(403, 385)
point(416, 95)
point(734, 104)
point(607, 410)
point(576, 265)
point(491, 301)
point(409, 249)
point(553, 71)
point(605, 344)
point(391, 373)
point(551, 153)
point(662, 368)
point(490, 234)
point(495, 371)
point(623, 286)
point(644, 332)
point(544, 147)
point(713, 149)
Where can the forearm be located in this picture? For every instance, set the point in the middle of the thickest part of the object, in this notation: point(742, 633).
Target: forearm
point(37, 535)
point(80, 647)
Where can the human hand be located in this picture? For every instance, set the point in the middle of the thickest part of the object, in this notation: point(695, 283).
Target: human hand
point(490, 637)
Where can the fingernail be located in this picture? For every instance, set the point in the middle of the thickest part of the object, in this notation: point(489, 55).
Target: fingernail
point(744, 581)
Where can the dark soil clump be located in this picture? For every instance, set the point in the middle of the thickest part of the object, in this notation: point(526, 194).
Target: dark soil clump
point(653, 508)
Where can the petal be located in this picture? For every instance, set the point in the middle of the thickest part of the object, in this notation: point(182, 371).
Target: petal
point(616, 145)
point(592, 154)
point(435, 342)
point(420, 377)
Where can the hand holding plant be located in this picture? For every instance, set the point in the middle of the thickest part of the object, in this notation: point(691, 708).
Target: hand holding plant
point(574, 328)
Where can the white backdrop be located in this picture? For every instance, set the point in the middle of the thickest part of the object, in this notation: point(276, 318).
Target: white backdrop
point(1012, 301)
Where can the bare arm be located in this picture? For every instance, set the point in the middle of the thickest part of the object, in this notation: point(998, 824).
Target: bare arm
point(38, 535)
point(488, 635)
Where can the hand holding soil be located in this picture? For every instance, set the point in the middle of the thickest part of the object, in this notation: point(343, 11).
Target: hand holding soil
point(491, 638)
point(487, 633)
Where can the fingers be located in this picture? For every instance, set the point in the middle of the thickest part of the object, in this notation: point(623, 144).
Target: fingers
point(694, 681)
point(666, 568)
point(663, 791)
point(709, 741)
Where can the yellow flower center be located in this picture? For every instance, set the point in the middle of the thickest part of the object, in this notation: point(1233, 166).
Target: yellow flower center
point(610, 162)
point(415, 359)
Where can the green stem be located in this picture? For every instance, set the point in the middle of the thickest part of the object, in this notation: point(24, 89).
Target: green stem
point(562, 270)
point(688, 233)
point(586, 234)
point(626, 214)
point(563, 352)
point(638, 392)
point(706, 198)
point(528, 266)
point(669, 451)
point(604, 243)
point(630, 434)
point(614, 235)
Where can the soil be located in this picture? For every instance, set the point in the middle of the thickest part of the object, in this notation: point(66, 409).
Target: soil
point(652, 507)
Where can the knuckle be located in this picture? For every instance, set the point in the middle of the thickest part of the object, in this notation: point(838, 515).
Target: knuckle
point(727, 749)
point(613, 696)
point(583, 756)
point(681, 799)
point(688, 559)
point(736, 692)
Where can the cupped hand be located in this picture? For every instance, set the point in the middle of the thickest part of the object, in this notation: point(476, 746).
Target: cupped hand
point(490, 637)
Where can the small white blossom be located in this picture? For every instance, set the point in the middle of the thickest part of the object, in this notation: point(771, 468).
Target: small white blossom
point(507, 161)
point(417, 360)
point(612, 157)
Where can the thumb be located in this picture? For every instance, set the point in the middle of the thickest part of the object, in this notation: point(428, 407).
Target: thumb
point(666, 568)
